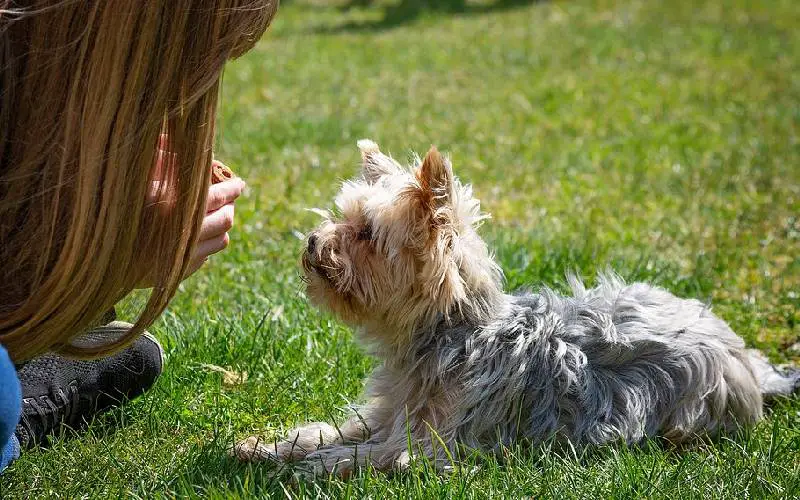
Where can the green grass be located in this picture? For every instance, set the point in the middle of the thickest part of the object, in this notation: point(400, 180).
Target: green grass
point(662, 138)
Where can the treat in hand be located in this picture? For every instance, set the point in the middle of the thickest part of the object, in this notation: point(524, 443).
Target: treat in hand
point(220, 173)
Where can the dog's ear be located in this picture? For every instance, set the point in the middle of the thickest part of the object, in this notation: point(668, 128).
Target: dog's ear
point(375, 164)
point(436, 179)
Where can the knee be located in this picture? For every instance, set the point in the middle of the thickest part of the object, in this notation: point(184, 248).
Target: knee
point(10, 397)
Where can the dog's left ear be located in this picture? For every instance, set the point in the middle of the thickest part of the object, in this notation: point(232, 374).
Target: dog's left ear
point(436, 179)
point(375, 164)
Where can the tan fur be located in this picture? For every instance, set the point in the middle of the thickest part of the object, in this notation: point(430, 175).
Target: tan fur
point(415, 215)
point(424, 263)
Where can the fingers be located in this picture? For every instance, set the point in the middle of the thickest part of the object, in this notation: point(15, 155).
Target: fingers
point(224, 193)
point(205, 249)
point(213, 236)
point(217, 222)
point(210, 247)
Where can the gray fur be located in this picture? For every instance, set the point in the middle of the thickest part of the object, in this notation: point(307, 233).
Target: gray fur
point(612, 363)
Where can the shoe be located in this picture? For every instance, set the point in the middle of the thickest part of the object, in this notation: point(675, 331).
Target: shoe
point(60, 393)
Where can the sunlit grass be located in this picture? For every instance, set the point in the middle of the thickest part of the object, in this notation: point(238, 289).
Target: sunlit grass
point(662, 138)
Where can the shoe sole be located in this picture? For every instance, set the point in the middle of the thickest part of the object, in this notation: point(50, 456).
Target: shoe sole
point(161, 352)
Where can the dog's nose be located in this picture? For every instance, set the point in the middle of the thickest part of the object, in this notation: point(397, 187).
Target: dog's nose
point(312, 243)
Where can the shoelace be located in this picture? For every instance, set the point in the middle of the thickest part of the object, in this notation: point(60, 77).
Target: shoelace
point(45, 408)
point(70, 403)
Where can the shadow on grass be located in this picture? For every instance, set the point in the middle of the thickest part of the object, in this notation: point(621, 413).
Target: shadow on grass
point(407, 11)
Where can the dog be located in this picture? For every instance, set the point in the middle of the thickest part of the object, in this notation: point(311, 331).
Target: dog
point(467, 366)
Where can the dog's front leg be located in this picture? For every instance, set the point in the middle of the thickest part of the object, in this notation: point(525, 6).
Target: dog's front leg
point(342, 461)
point(298, 443)
point(393, 455)
point(305, 439)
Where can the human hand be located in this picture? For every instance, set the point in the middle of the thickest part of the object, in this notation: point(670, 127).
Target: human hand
point(217, 221)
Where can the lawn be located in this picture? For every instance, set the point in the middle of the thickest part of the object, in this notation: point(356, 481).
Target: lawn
point(660, 138)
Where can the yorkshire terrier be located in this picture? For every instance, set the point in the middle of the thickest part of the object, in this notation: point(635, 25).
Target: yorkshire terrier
point(467, 366)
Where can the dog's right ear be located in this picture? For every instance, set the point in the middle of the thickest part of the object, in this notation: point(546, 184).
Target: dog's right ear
point(436, 178)
point(375, 164)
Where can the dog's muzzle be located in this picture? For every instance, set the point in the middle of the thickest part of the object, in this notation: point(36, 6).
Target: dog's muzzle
point(312, 260)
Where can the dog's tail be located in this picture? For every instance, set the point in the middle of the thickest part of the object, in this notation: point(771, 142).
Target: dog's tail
point(773, 381)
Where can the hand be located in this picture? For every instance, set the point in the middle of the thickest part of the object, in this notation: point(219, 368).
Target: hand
point(217, 221)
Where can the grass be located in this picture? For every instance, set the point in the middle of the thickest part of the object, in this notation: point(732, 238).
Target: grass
point(660, 138)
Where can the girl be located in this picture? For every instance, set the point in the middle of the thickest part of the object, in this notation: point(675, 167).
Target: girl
point(107, 111)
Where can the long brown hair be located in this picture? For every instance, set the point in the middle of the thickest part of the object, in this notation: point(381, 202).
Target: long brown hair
point(87, 88)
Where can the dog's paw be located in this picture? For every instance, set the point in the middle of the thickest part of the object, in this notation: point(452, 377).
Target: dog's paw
point(254, 449)
point(310, 471)
point(328, 462)
point(298, 443)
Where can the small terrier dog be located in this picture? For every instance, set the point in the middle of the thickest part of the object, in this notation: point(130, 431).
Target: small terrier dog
point(467, 366)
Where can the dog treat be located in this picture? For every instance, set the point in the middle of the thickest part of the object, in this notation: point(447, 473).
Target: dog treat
point(220, 173)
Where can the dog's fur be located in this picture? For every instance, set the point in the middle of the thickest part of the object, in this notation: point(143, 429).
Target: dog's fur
point(466, 365)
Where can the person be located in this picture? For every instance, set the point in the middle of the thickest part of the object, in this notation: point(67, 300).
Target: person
point(107, 120)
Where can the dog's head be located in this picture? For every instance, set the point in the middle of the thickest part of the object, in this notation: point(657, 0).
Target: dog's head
point(401, 251)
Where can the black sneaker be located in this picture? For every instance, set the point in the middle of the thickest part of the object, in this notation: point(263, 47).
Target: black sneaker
point(60, 393)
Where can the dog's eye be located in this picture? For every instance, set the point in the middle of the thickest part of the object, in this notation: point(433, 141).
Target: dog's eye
point(365, 234)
